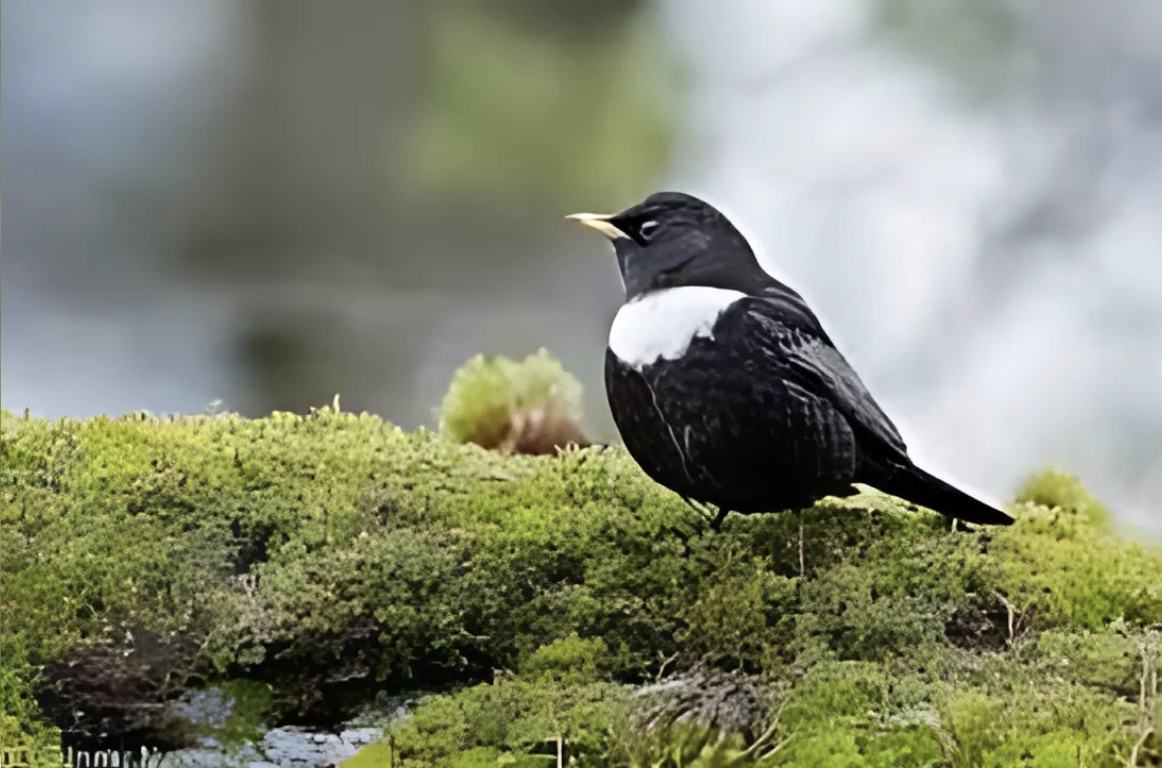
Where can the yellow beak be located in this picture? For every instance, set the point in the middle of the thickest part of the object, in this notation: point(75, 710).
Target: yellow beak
point(599, 222)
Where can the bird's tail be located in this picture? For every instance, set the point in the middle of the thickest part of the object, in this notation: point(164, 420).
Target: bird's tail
point(919, 487)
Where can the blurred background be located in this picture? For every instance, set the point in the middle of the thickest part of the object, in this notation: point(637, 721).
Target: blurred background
point(266, 204)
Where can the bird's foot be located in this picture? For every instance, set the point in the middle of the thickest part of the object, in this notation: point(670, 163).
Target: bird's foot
point(714, 518)
point(698, 507)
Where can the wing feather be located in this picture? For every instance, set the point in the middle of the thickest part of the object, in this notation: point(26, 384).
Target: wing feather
point(823, 370)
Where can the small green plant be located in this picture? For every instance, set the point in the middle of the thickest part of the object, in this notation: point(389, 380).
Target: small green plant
point(531, 406)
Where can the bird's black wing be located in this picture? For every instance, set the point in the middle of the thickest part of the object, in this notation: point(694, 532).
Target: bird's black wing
point(821, 368)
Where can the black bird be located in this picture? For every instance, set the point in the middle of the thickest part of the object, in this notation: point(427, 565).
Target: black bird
point(724, 385)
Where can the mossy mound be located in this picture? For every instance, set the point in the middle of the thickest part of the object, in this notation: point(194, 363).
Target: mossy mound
point(531, 406)
point(333, 556)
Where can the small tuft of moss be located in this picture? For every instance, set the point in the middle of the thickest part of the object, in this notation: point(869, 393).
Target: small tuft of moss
point(570, 659)
point(1058, 572)
point(507, 721)
point(1072, 505)
point(532, 406)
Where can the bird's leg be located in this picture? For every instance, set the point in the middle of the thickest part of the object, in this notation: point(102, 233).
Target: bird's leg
point(716, 520)
point(698, 507)
point(802, 553)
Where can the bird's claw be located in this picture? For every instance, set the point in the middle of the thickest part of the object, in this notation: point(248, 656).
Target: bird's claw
point(714, 518)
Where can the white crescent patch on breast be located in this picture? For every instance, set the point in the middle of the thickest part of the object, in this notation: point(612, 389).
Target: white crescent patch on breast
point(661, 324)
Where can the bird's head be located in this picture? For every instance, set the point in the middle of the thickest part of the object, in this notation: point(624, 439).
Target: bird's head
point(672, 239)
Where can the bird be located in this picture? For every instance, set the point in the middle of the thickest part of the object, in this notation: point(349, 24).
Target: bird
point(726, 389)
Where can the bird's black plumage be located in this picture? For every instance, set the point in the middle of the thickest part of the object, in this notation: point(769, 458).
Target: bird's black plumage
point(724, 385)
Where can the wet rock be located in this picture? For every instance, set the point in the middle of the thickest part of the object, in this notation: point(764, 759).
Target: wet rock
point(726, 702)
point(361, 735)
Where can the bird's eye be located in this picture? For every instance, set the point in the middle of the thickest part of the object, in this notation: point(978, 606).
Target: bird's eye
point(647, 229)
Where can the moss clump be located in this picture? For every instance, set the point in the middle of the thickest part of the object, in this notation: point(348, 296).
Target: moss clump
point(331, 556)
point(34, 746)
point(1062, 564)
point(1038, 725)
point(531, 406)
point(508, 716)
point(22, 724)
point(569, 659)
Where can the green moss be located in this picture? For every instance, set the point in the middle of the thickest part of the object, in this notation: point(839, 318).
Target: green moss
point(1074, 510)
point(375, 755)
point(569, 659)
point(1038, 727)
point(36, 747)
point(903, 590)
point(1110, 661)
point(862, 747)
point(320, 554)
point(1064, 572)
point(740, 613)
point(531, 406)
point(509, 716)
point(686, 746)
point(22, 725)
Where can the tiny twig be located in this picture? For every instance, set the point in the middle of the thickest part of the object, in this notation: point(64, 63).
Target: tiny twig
point(666, 661)
point(1147, 693)
point(1148, 682)
point(1012, 611)
point(1132, 762)
point(766, 735)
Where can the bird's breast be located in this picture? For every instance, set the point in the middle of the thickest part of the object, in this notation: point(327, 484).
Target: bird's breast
point(660, 325)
